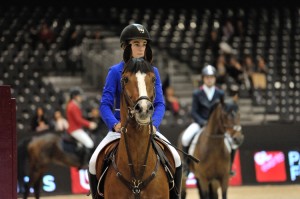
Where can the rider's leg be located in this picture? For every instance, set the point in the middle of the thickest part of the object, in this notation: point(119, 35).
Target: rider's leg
point(111, 136)
point(189, 133)
point(93, 185)
point(175, 193)
point(186, 139)
point(81, 136)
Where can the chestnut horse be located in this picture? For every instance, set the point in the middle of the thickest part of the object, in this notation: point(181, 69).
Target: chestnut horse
point(213, 170)
point(135, 170)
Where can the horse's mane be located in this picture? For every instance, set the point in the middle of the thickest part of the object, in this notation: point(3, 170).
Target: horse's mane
point(231, 106)
point(228, 107)
point(138, 64)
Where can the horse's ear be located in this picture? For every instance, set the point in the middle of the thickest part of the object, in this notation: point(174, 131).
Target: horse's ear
point(222, 100)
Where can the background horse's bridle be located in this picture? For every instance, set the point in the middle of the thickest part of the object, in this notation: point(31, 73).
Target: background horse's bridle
point(225, 129)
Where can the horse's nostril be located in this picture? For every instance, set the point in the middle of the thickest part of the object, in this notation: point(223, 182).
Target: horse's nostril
point(151, 108)
point(138, 108)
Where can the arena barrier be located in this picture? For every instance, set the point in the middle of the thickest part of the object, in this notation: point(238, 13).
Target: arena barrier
point(270, 154)
point(8, 160)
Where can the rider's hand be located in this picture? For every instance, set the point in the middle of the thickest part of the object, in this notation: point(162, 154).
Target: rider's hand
point(92, 125)
point(117, 127)
point(154, 129)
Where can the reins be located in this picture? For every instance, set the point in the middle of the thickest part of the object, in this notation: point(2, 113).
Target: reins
point(137, 183)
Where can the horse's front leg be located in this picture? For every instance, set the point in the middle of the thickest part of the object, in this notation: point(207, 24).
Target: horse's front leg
point(37, 187)
point(26, 190)
point(224, 194)
point(203, 188)
point(183, 187)
point(224, 187)
point(36, 179)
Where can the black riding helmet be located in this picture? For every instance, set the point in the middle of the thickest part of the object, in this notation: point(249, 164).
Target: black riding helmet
point(135, 31)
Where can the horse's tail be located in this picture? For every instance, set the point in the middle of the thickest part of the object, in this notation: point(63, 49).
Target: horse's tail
point(22, 152)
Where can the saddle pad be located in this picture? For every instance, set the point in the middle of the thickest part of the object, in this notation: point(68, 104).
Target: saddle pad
point(195, 139)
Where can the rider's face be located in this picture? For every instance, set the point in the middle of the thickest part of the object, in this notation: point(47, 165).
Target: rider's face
point(209, 80)
point(138, 47)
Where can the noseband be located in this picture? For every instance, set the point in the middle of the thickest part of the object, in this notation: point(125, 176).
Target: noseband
point(131, 106)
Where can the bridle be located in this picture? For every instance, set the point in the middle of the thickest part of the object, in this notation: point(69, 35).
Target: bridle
point(225, 128)
point(137, 183)
point(131, 106)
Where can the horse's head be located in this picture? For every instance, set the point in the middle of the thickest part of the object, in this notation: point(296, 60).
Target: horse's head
point(229, 121)
point(138, 90)
point(232, 124)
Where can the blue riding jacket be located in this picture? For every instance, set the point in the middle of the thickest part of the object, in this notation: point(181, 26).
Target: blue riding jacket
point(110, 101)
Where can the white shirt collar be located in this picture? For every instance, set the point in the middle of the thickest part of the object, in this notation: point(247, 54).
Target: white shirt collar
point(209, 91)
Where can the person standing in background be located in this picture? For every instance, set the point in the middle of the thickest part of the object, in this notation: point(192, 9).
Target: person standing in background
point(39, 122)
point(60, 123)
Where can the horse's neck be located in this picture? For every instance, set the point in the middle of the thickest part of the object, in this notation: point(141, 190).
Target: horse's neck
point(213, 124)
point(138, 132)
point(137, 139)
point(134, 145)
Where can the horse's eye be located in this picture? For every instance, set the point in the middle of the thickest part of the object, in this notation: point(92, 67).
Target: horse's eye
point(153, 79)
point(125, 80)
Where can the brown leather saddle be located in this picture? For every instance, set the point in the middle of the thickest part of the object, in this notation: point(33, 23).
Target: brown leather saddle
point(104, 160)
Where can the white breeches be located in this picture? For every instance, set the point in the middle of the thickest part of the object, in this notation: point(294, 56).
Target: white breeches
point(111, 136)
point(81, 136)
point(189, 133)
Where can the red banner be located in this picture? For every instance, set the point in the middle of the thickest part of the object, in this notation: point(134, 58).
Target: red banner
point(270, 166)
point(79, 181)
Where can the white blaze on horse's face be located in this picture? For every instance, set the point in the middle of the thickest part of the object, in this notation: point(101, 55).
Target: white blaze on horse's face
point(141, 84)
point(143, 108)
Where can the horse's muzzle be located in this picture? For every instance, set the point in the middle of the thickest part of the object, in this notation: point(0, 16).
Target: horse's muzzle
point(143, 111)
point(238, 138)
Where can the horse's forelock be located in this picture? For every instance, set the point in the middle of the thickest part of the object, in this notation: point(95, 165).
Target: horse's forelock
point(135, 65)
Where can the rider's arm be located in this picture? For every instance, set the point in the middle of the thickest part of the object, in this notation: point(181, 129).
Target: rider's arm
point(196, 110)
point(159, 103)
point(108, 96)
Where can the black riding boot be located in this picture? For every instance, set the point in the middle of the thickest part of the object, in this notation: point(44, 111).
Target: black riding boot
point(232, 155)
point(186, 160)
point(93, 185)
point(175, 193)
point(85, 158)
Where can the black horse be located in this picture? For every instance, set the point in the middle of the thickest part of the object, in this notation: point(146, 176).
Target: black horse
point(36, 153)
